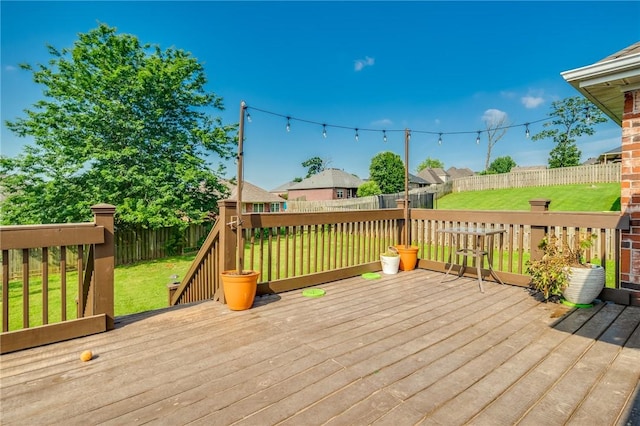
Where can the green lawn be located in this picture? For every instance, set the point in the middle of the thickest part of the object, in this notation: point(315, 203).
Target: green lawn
point(590, 198)
point(138, 287)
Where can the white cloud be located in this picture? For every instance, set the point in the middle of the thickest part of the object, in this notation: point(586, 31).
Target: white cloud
point(507, 94)
point(359, 64)
point(532, 101)
point(382, 123)
point(494, 116)
point(437, 121)
point(10, 68)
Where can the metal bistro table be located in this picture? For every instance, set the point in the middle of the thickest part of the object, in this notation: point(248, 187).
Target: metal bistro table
point(482, 237)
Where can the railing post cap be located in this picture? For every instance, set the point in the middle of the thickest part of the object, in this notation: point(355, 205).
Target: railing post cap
point(540, 202)
point(103, 208)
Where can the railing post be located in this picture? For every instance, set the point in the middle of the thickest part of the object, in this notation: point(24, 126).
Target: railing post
point(104, 263)
point(401, 229)
point(538, 232)
point(228, 237)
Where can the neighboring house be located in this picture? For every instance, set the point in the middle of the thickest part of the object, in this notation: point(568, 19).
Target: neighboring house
point(433, 176)
point(417, 182)
point(455, 173)
point(613, 85)
point(330, 184)
point(256, 199)
point(283, 189)
point(611, 156)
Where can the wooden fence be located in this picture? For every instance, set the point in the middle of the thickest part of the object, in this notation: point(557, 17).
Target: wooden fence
point(591, 174)
point(132, 245)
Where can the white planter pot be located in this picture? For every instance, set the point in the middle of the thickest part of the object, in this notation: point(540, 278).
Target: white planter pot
point(390, 264)
point(585, 284)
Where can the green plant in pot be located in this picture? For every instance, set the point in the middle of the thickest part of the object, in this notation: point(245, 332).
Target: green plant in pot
point(390, 260)
point(562, 272)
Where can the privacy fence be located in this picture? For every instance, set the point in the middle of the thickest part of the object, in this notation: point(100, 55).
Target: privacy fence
point(591, 174)
point(131, 245)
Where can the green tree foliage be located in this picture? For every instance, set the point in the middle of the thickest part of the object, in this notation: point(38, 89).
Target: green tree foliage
point(502, 164)
point(430, 163)
point(387, 170)
point(368, 188)
point(315, 165)
point(121, 123)
point(571, 118)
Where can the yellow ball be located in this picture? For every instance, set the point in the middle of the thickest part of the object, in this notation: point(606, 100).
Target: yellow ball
point(86, 356)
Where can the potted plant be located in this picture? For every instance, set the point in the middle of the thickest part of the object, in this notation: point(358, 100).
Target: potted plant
point(390, 261)
point(562, 272)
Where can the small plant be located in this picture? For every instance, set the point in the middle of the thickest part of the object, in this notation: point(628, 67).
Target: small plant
point(550, 274)
point(391, 252)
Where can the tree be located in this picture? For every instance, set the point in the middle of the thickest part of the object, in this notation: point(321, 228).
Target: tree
point(121, 123)
point(495, 122)
point(502, 164)
point(387, 170)
point(430, 163)
point(571, 118)
point(368, 188)
point(315, 165)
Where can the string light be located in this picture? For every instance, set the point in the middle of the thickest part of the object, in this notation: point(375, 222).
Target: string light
point(384, 131)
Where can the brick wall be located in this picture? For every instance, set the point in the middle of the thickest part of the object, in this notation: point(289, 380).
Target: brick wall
point(630, 192)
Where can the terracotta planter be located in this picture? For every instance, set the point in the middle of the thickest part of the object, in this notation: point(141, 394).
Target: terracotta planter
point(239, 289)
point(408, 257)
point(585, 284)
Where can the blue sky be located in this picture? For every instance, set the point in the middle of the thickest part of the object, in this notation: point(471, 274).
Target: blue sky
point(427, 66)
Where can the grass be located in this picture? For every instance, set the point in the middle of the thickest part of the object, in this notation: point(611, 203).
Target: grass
point(138, 287)
point(587, 198)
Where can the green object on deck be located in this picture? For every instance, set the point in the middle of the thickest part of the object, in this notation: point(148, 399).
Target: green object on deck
point(577, 305)
point(313, 292)
point(371, 275)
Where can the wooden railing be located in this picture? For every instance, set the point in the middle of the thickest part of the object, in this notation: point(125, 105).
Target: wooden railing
point(93, 295)
point(295, 250)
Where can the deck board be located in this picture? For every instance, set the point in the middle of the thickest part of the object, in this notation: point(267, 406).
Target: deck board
point(402, 350)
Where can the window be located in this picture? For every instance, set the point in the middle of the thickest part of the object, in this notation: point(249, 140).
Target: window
point(258, 207)
point(339, 193)
point(275, 207)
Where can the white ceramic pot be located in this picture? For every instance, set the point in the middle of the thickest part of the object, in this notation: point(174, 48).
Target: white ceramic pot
point(390, 264)
point(585, 284)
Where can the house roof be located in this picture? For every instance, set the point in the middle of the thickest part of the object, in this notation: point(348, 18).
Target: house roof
point(430, 176)
point(329, 178)
point(253, 194)
point(605, 82)
point(417, 179)
point(456, 173)
point(284, 187)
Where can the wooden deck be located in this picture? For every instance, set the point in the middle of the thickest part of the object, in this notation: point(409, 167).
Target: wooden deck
point(402, 350)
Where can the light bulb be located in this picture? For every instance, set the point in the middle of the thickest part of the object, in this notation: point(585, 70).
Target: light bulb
point(440, 139)
point(478, 139)
point(384, 136)
point(357, 137)
point(288, 125)
point(526, 131)
point(324, 131)
point(248, 117)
